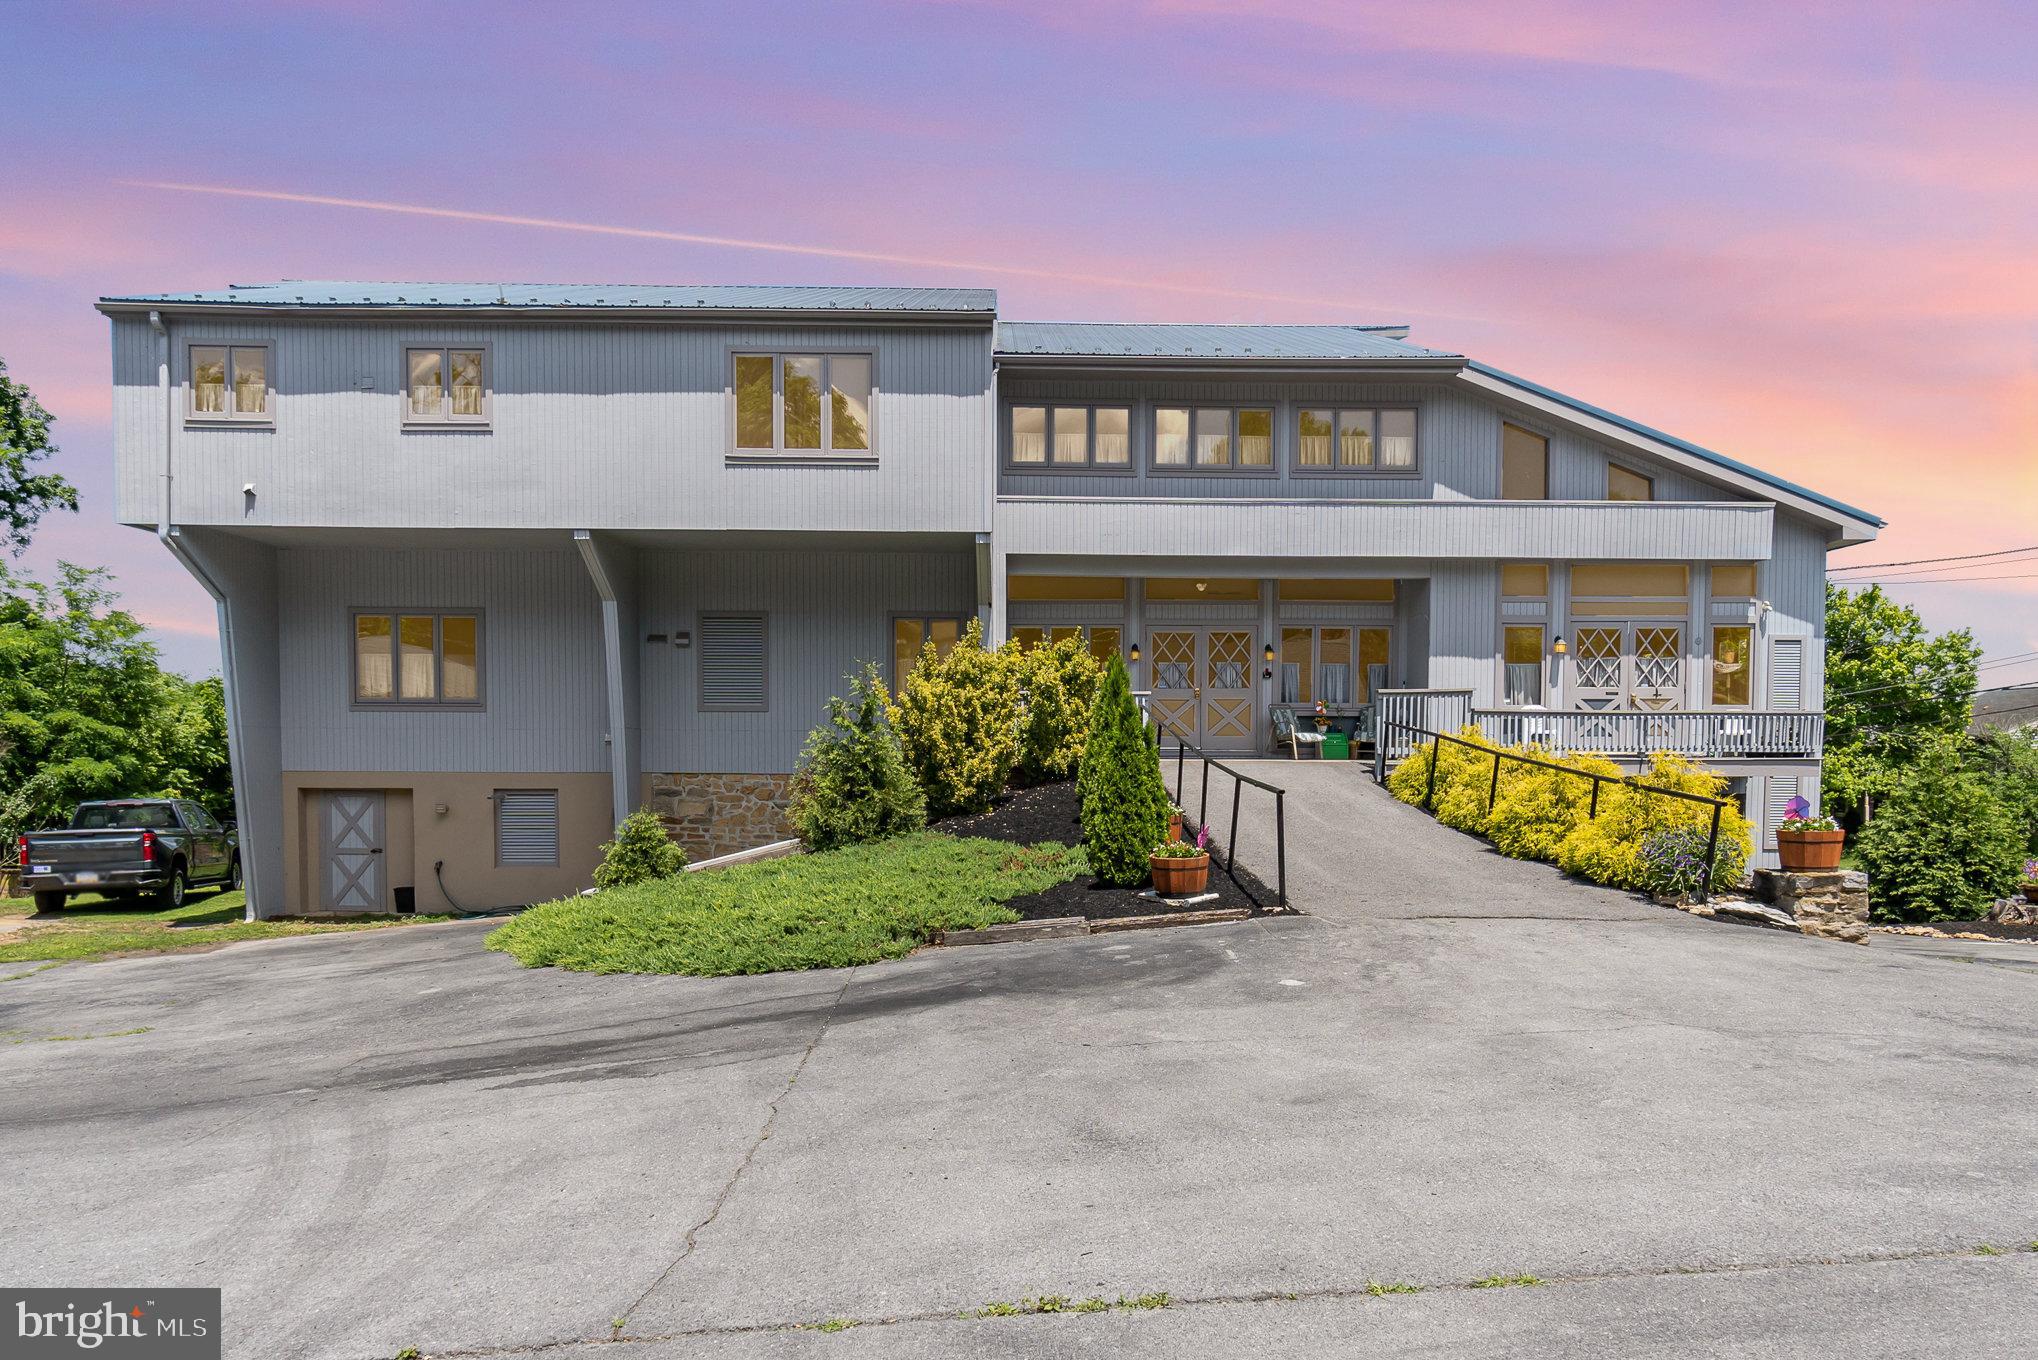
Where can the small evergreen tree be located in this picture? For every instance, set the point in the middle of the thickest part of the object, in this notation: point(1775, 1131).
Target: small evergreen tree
point(1125, 805)
point(1057, 683)
point(640, 852)
point(1942, 845)
point(853, 784)
point(958, 723)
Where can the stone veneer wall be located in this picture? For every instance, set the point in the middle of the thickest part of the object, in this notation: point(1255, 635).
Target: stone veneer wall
point(719, 814)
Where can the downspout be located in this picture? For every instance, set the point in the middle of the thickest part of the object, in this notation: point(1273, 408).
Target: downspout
point(166, 534)
point(621, 796)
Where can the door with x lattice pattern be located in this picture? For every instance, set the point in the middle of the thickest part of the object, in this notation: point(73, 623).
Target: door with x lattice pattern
point(351, 825)
point(1175, 695)
point(1228, 690)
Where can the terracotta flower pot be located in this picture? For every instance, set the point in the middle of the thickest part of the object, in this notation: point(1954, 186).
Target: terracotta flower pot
point(1175, 827)
point(1809, 851)
point(1180, 877)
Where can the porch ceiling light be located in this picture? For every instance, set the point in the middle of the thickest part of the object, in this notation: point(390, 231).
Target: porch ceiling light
point(1202, 586)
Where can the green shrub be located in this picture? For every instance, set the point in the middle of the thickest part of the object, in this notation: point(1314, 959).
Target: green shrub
point(1608, 848)
point(1942, 846)
point(1125, 805)
point(1056, 683)
point(2009, 762)
point(853, 784)
point(1462, 775)
point(958, 724)
point(1538, 808)
point(640, 852)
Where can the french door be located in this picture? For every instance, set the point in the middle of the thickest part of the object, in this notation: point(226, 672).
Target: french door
point(1628, 665)
point(1202, 685)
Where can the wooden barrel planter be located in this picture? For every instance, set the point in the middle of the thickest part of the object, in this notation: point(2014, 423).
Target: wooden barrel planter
point(1184, 877)
point(1809, 851)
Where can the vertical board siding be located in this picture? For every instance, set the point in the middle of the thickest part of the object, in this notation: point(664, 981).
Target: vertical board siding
point(1464, 609)
point(826, 613)
point(1793, 581)
point(602, 426)
point(543, 683)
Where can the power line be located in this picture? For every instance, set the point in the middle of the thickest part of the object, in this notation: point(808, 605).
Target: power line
point(1921, 561)
point(1937, 580)
point(1942, 571)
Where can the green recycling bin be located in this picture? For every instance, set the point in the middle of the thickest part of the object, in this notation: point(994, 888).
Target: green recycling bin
point(1336, 745)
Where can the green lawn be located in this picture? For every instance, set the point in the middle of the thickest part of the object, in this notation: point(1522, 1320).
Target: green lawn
point(95, 927)
point(850, 906)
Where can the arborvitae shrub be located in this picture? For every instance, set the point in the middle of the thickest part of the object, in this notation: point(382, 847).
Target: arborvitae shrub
point(640, 851)
point(1125, 805)
point(958, 723)
point(853, 784)
point(1056, 684)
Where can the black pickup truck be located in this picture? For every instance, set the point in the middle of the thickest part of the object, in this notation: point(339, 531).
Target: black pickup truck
point(128, 846)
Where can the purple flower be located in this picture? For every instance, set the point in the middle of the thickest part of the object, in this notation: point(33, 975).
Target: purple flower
point(1798, 810)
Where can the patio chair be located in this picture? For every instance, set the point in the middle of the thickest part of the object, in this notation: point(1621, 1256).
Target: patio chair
point(1286, 729)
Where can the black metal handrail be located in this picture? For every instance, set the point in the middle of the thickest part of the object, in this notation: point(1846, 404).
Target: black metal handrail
point(1239, 780)
point(1718, 805)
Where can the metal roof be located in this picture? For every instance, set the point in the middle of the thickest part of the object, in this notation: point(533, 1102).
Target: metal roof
point(312, 293)
point(1094, 339)
point(1681, 445)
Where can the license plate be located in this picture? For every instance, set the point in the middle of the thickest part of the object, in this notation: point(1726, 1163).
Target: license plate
point(39, 869)
point(87, 877)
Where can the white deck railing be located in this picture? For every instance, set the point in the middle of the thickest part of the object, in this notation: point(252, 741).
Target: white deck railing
point(1710, 735)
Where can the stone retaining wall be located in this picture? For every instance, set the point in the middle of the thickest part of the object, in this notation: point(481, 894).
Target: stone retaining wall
point(1833, 903)
point(719, 814)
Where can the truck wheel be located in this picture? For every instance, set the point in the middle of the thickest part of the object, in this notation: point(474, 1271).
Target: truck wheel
point(233, 876)
point(49, 901)
point(171, 895)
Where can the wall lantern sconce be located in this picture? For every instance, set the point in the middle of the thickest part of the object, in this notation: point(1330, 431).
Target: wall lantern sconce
point(1267, 655)
point(1135, 653)
point(1558, 648)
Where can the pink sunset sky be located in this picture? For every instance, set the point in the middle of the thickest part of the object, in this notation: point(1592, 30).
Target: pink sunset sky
point(1805, 236)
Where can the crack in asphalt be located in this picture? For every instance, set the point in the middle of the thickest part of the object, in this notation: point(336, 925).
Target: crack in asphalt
point(743, 1167)
point(1845, 1260)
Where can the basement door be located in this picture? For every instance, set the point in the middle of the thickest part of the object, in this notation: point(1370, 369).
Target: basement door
point(352, 823)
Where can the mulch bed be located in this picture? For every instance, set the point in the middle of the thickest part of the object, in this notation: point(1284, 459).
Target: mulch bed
point(1048, 812)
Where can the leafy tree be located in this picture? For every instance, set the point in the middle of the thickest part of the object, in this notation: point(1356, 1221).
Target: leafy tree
point(853, 784)
point(86, 712)
point(1124, 802)
point(1942, 845)
point(958, 722)
point(640, 852)
point(1891, 689)
point(1057, 682)
point(2008, 762)
point(25, 497)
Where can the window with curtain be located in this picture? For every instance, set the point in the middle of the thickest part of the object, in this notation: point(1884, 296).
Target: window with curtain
point(1070, 436)
point(1345, 440)
point(446, 385)
point(910, 637)
point(1330, 664)
point(1522, 656)
point(803, 405)
point(403, 658)
point(1215, 439)
point(228, 383)
point(1524, 465)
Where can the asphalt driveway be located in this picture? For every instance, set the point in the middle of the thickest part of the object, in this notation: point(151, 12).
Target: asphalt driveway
point(1707, 1139)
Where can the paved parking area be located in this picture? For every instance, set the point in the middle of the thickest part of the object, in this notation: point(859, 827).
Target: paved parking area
point(1707, 1139)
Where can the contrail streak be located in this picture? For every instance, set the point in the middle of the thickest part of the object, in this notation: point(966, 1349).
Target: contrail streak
point(776, 247)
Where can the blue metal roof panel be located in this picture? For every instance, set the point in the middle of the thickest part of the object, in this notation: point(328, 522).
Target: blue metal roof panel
point(1096, 339)
point(1682, 445)
point(313, 293)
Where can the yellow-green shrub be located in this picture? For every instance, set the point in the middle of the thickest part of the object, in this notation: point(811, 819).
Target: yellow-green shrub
point(1459, 769)
point(1608, 848)
point(958, 724)
point(1538, 808)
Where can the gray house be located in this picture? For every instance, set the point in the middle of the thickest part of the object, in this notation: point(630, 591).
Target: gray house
point(496, 564)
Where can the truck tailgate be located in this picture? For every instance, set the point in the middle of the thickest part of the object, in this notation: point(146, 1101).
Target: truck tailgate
point(68, 850)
